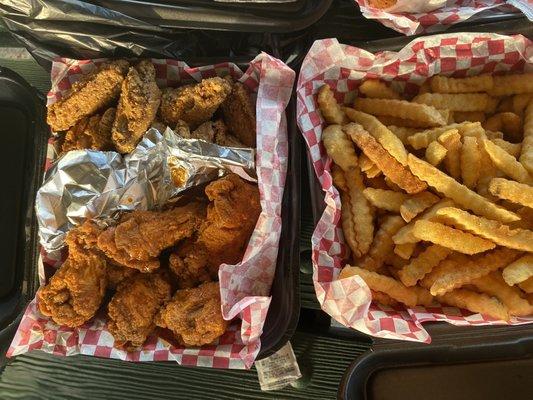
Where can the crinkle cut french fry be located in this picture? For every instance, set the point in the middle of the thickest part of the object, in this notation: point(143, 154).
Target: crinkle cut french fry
point(526, 218)
point(506, 162)
point(435, 153)
point(519, 239)
point(511, 148)
point(383, 298)
point(451, 140)
point(470, 162)
point(450, 238)
point(520, 102)
point(423, 296)
point(506, 85)
point(476, 302)
point(526, 155)
point(370, 169)
point(506, 104)
point(391, 168)
point(329, 108)
point(347, 224)
point(519, 271)
point(527, 286)
point(405, 250)
point(401, 109)
point(381, 133)
point(507, 122)
point(422, 139)
point(473, 84)
point(339, 147)
point(425, 87)
point(512, 191)
point(469, 116)
point(402, 132)
point(462, 270)
point(458, 102)
point(423, 264)
point(339, 180)
point(382, 244)
point(405, 123)
point(494, 134)
point(494, 285)
point(376, 89)
point(385, 199)
point(457, 192)
point(416, 204)
point(361, 211)
point(382, 283)
point(405, 235)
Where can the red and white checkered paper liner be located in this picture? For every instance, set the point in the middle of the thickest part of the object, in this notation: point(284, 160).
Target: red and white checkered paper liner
point(343, 68)
point(245, 287)
point(453, 12)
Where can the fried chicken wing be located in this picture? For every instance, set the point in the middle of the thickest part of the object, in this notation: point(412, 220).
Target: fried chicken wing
point(132, 309)
point(239, 114)
point(91, 93)
point(75, 291)
point(137, 241)
point(193, 104)
point(223, 236)
point(210, 131)
point(137, 106)
point(194, 315)
point(91, 133)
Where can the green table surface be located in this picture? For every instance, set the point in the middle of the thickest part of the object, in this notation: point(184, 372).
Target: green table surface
point(322, 357)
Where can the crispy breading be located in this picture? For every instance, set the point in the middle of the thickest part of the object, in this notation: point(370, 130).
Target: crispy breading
point(91, 133)
point(239, 114)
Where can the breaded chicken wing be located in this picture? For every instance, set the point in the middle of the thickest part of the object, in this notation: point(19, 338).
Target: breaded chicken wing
point(91, 93)
point(137, 107)
point(193, 104)
point(239, 114)
point(137, 241)
point(91, 133)
point(210, 131)
point(132, 309)
point(194, 315)
point(223, 236)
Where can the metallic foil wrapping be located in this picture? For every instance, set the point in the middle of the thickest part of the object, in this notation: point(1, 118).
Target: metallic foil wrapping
point(95, 184)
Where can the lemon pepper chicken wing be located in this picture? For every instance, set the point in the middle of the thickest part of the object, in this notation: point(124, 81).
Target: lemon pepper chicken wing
point(223, 236)
point(91, 93)
point(239, 114)
point(91, 133)
point(137, 107)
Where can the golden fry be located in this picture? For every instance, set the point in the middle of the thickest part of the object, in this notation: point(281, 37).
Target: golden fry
point(422, 139)
point(520, 102)
point(383, 298)
point(416, 204)
point(506, 162)
point(506, 85)
point(347, 224)
point(423, 264)
point(435, 153)
point(385, 199)
point(339, 147)
point(339, 180)
point(451, 140)
point(519, 270)
point(473, 84)
point(385, 162)
point(402, 132)
point(457, 192)
point(405, 250)
point(376, 89)
point(382, 283)
point(363, 223)
point(450, 238)
point(457, 102)
point(527, 286)
point(526, 155)
point(469, 116)
point(404, 123)
point(476, 302)
point(370, 169)
point(470, 162)
point(423, 296)
point(330, 110)
point(381, 133)
point(511, 148)
point(513, 191)
point(507, 122)
point(506, 104)
point(382, 244)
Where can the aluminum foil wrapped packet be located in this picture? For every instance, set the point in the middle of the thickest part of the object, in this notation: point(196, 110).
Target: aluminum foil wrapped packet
point(100, 184)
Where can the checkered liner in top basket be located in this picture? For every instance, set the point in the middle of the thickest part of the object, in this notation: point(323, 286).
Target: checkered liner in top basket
point(245, 287)
point(453, 12)
point(343, 68)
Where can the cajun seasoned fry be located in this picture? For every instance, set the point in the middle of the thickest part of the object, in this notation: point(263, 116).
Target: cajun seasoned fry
point(363, 224)
point(416, 204)
point(476, 302)
point(506, 85)
point(473, 84)
point(405, 250)
point(423, 264)
point(519, 239)
point(526, 155)
point(385, 199)
point(401, 109)
point(385, 162)
point(377, 90)
point(519, 271)
point(339, 147)
point(507, 122)
point(380, 132)
point(506, 162)
point(463, 270)
point(382, 283)
point(402, 132)
point(469, 116)
point(451, 140)
point(435, 153)
point(513, 191)
point(511, 148)
point(470, 162)
point(422, 139)
point(450, 238)
point(494, 285)
point(382, 244)
point(457, 192)
point(329, 108)
point(458, 102)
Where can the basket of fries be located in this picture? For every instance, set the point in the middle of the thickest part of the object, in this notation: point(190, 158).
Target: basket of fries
point(424, 156)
